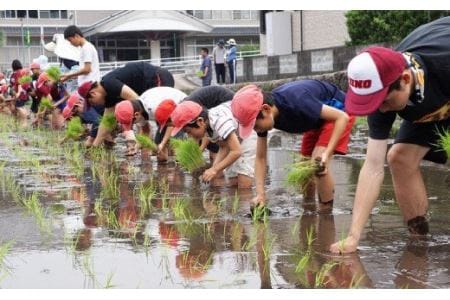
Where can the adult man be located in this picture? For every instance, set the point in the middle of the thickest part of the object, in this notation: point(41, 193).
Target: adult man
point(219, 53)
point(123, 83)
point(413, 82)
point(232, 60)
point(205, 68)
point(89, 66)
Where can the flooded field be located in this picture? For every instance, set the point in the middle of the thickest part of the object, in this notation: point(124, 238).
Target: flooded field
point(71, 218)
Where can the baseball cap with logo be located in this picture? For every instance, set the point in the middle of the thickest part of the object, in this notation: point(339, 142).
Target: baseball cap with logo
point(163, 111)
point(124, 114)
point(184, 113)
point(369, 76)
point(245, 106)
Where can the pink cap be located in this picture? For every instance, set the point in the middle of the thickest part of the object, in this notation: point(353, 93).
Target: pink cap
point(184, 113)
point(124, 114)
point(68, 110)
point(245, 106)
point(35, 66)
point(43, 78)
point(369, 76)
point(163, 111)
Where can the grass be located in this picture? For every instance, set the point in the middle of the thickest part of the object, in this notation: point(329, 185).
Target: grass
point(108, 120)
point(188, 154)
point(75, 128)
point(146, 142)
point(54, 73)
point(301, 172)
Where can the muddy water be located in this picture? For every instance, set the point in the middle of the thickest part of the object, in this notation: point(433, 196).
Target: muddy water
point(98, 234)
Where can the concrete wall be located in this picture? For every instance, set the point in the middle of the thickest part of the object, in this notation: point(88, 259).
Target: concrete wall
point(304, 63)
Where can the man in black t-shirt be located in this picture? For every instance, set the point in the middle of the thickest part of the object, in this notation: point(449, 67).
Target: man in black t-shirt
point(125, 83)
point(414, 83)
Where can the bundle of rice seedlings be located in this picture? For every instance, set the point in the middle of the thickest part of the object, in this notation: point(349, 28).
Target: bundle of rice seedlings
point(108, 121)
point(444, 141)
point(74, 128)
point(45, 103)
point(199, 73)
point(188, 154)
point(25, 79)
point(302, 172)
point(54, 73)
point(145, 142)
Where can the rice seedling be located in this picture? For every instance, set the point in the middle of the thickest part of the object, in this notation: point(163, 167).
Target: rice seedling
point(355, 283)
point(145, 196)
point(4, 268)
point(302, 172)
point(321, 276)
point(146, 142)
point(54, 73)
point(45, 104)
point(259, 213)
point(109, 284)
point(108, 121)
point(235, 206)
point(444, 141)
point(25, 79)
point(34, 207)
point(75, 129)
point(181, 211)
point(188, 154)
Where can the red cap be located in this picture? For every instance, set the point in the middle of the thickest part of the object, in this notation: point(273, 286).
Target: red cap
point(163, 111)
point(124, 114)
point(184, 113)
point(85, 88)
point(43, 78)
point(68, 110)
point(35, 65)
point(245, 106)
point(369, 76)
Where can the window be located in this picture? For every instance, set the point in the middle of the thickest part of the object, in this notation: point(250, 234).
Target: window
point(245, 14)
point(54, 14)
point(63, 14)
point(21, 13)
point(33, 14)
point(44, 14)
point(203, 14)
point(8, 14)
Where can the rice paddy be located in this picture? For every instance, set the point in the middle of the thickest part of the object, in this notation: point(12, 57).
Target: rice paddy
point(78, 217)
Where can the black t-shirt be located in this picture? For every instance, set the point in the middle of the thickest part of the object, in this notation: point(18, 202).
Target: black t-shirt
point(211, 96)
point(139, 76)
point(429, 46)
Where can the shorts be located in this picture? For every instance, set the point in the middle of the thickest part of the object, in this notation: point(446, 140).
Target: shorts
point(321, 137)
point(244, 165)
point(424, 134)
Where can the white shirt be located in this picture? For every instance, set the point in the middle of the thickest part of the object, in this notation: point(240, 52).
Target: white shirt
point(222, 122)
point(153, 97)
point(219, 55)
point(89, 55)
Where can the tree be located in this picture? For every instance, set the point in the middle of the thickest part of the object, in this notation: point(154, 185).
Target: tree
point(386, 26)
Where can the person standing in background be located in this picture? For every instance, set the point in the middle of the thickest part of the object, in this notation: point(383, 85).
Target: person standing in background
point(206, 67)
point(89, 66)
point(219, 53)
point(232, 60)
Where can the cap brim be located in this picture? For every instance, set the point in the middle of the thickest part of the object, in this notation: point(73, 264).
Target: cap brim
point(246, 131)
point(363, 105)
point(67, 112)
point(176, 130)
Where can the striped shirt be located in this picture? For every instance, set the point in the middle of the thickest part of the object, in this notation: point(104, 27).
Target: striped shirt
point(222, 122)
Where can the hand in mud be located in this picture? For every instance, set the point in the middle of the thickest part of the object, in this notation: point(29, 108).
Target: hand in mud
point(347, 245)
point(322, 165)
point(258, 200)
point(209, 174)
point(131, 148)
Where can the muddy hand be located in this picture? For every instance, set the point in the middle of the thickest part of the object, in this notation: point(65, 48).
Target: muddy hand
point(322, 165)
point(209, 174)
point(347, 245)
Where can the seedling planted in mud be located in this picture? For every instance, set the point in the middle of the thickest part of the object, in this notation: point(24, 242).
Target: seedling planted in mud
point(146, 142)
point(188, 154)
point(4, 268)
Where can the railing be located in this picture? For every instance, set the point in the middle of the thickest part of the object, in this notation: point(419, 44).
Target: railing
point(173, 64)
